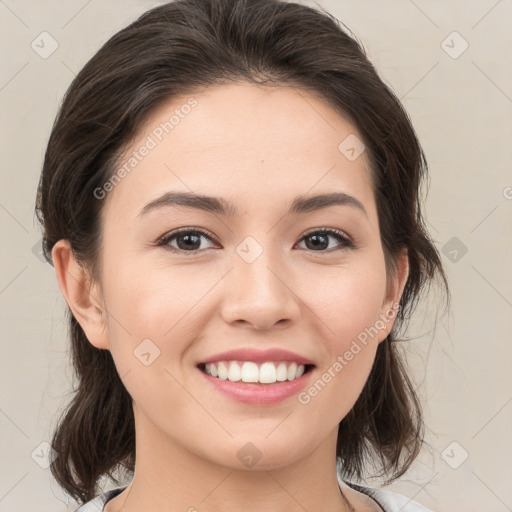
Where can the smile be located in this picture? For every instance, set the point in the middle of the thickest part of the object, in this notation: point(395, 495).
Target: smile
point(267, 372)
point(257, 377)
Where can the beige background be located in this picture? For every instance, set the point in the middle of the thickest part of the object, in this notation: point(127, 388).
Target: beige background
point(461, 107)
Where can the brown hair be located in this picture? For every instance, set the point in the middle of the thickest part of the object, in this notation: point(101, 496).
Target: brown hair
point(174, 49)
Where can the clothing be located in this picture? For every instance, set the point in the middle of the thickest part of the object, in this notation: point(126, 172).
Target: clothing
point(387, 500)
point(390, 501)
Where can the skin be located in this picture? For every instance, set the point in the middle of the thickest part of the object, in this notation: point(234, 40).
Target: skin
point(258, 147)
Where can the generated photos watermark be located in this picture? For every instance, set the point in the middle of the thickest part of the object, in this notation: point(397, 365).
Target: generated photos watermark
point(151, 142)
point(343, 360)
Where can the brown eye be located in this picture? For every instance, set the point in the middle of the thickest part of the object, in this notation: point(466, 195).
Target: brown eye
point(188, 240)
point(319, 240)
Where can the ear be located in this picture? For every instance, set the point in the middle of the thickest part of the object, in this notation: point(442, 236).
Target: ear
point(81, 293)
point(395, 288)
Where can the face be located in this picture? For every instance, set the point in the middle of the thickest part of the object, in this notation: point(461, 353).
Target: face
point(275, 286)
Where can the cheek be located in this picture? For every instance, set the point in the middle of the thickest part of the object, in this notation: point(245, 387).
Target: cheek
point(148, 299)
point(156, 310)
point(349, 309)
point(349, 304)
point(148, 335)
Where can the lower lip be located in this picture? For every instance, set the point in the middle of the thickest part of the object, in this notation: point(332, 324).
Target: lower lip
point(258, 394)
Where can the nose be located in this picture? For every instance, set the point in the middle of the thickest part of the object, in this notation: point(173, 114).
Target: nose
point(260, 295)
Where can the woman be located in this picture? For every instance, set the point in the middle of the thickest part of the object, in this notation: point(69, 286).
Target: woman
point(230, 198)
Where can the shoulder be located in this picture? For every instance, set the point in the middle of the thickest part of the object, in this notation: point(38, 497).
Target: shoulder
point(390, 501)
point(97, 503)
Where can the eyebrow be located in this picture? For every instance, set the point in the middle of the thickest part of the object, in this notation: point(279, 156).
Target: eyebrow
point(220, 206)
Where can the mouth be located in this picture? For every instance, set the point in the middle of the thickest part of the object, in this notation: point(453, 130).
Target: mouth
point(257, 377)
point(252, 372)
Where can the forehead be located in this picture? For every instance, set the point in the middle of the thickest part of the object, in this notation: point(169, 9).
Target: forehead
point(248, 143)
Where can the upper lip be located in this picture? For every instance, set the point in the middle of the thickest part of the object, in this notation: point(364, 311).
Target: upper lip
point(258, 356)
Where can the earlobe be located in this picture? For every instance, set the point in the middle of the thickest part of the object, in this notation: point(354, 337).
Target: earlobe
point(394, 293)
point(81, 293)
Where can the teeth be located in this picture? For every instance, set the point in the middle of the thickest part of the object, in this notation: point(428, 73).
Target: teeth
point(292, 371)
point(235, 373)
point(268, 373)
point(248, 371)
point(223, 371)
point(281, 372)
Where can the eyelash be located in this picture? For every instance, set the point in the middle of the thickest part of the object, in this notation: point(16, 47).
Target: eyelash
point(339, 235)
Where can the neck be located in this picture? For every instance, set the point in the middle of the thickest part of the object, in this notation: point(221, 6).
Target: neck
point(168, 477)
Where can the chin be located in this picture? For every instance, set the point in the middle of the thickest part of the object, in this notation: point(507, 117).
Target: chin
point(260, 454)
